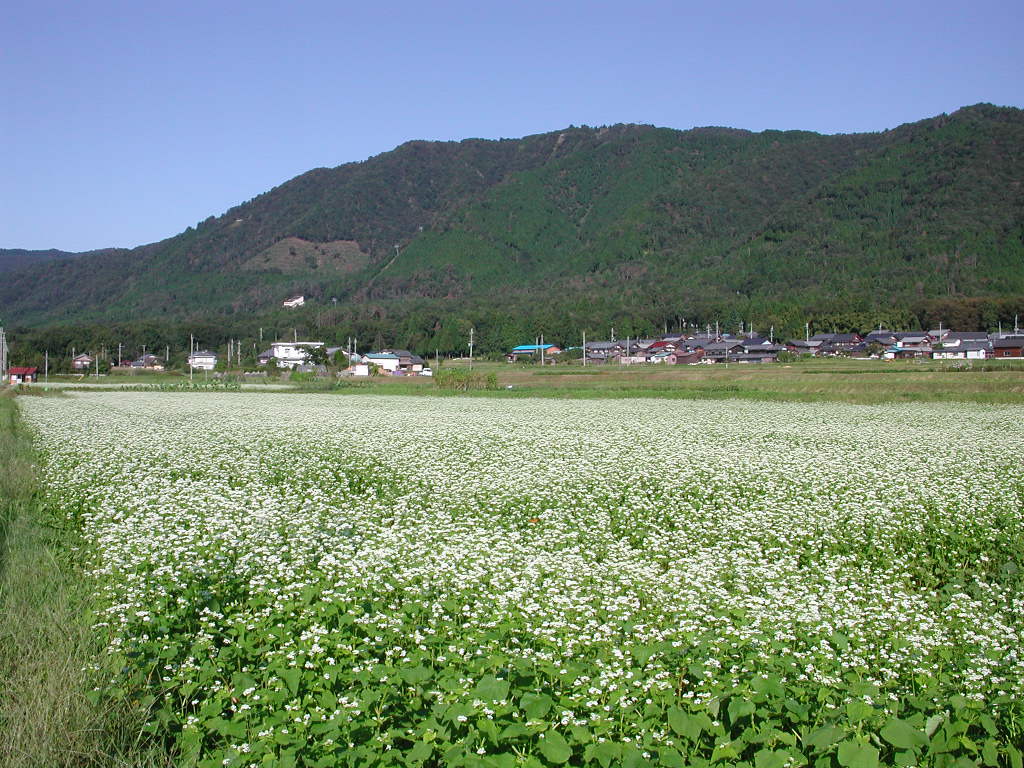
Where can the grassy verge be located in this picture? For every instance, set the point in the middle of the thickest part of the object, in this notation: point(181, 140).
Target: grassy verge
point(864, 382)
point(46, 644)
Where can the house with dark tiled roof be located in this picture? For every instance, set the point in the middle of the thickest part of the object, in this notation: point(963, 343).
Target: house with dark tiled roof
point(1008, 346)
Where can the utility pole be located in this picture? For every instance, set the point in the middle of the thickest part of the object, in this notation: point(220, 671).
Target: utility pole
point(807, 331)
point(584, 349)
point(46, 367)
point(3, 357)
point(191, 350)
point(542, 350)
point(119, 354)
point(471, 333)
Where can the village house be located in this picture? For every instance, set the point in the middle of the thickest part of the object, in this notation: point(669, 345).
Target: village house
point(686, 356)
point(288, 354)
point(909, 346)
point(293, 301)
point(22, 375)
point(386, 361)
point(533, 352)
point(721, 351)
point(82, 362)
point(962, 350)
point(1008, 346)
point(603, 351)
point(804, 347)
point(407, 361)
point(202, 360)
point(148, 363)
point(953, 338)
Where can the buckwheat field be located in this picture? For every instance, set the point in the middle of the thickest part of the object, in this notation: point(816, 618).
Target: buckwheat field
point(325, 580)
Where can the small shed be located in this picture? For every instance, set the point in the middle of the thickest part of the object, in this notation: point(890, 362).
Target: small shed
point(22, 375)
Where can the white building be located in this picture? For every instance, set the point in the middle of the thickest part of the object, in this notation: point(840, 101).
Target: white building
point(294, 301)
point(288, 354)
point(383, 360)
point(202, 360)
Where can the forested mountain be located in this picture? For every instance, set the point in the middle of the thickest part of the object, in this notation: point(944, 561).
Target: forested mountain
point(17, 258)
point(585, 227)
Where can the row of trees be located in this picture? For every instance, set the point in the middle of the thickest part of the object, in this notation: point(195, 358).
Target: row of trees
point(428, 329)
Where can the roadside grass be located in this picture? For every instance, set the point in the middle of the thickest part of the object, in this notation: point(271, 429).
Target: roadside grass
point(47, 645)
point(838, 380)
point(872, 382)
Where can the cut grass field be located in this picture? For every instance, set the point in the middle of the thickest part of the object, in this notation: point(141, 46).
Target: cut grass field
point(47, 646)
point(849, 381)
point(868, 382)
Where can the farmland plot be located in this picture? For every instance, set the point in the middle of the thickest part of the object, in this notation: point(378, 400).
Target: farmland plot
point(323, 580)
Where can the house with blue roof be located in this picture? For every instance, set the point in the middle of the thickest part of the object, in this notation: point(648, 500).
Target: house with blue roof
point(532, 352)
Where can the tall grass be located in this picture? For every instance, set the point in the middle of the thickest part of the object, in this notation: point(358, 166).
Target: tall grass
point(46, 644)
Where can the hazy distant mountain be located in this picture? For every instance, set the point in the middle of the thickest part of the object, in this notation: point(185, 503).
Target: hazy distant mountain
point(588, 222)
point(16, 258)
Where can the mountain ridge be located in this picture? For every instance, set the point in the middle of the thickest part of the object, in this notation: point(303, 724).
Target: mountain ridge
point(708, 220)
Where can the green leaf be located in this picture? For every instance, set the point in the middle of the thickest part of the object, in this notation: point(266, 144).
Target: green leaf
point(536, 705)
point(933, 724)
point(414, 675)
point(670, 758)
point(291, 677)
point(903, 735)
point(852, 754)
point(858, 710)
point(555, 748)
point(242, 682)
point(642, 653)
point(739, 708)
point(420, 751)
point(679, 721)
point(491, 688)
point(513, 731)
point(770, 686)
point(1016, 760)
point(990, 753)
point(769, 758)
point(605, 752)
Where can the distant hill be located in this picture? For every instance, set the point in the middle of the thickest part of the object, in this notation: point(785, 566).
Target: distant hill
point(18, 258)
point(587, 226)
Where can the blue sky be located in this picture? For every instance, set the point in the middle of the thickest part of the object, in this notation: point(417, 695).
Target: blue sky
point(125, 122)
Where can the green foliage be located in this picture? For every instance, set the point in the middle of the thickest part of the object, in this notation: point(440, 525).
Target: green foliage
point(463, 379)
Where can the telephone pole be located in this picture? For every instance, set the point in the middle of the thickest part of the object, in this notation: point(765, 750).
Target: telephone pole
point(471, 333)
point(3, 357)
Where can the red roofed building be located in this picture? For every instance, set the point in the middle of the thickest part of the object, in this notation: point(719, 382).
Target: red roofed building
point(20, 375)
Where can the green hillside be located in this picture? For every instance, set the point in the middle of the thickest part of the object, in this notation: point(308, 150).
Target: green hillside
point(12, 259)
point(585, 227)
